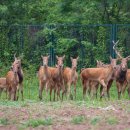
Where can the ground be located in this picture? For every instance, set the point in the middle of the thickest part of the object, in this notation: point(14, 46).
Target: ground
point(66, 115)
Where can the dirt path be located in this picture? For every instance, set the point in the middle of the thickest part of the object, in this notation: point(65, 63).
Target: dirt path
point(66, 116)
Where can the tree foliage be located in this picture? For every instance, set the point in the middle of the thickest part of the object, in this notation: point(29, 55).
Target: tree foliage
point(87, 42)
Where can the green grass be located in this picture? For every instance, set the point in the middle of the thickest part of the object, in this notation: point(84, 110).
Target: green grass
point(3, 121)
point(95, 120)
point(38, 122)
point(112, 120)
point(78, 119)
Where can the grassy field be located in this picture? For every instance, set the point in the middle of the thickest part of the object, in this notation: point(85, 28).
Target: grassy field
point(69, 114)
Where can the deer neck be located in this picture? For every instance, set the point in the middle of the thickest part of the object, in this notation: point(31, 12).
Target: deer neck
point(46, 71)
point(60, 72)
point(73, 71)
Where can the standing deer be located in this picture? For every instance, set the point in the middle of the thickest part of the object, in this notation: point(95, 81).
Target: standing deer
point(127, 84)
point(101, 75)
point(12, 81)
point(17, 62)
point(93, 85)
point(121, 70)
point(57, 77)
point(71, 76)
point(3, 85)
point(44, 75)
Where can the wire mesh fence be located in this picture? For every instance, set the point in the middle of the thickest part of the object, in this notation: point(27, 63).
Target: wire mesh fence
point(89, 42)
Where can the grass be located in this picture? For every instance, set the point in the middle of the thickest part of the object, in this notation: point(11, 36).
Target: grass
point(4, 121)
point(95, 120)
point(78, 119)
point(38, 122)
point(112, 120)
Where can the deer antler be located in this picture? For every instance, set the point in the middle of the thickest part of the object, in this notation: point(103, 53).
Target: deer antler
point(15, 56)
point(117, 52)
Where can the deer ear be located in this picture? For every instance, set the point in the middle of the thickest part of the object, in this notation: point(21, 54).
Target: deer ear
point(63, 56)
point(56, 65)
point(128, 57)
point(77, 58)
point(42, 56)
point(56, 57)
point(15, 58)
point(71, 58)
point(110, 58)
point(97, 61)
point(48, 56)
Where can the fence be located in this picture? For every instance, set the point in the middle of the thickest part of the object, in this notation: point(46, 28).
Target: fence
point(89, 42)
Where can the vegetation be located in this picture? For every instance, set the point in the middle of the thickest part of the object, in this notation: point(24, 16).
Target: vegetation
point(34, 28)
point(78, 119)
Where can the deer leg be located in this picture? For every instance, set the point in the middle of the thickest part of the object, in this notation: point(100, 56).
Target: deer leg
point(75, 88)
point(97, 88)
point(21, 90)
point(63, 90)
point(108, 87)
point(9, 93)
point(85, 83)
point(104, 88)
point(128, 90)
point(68, 90)
point(40, 89)
point(18, 86)
point(50, 93)
point(1, 91)
point(54, 93)
point(101, 90)
point(118, 89)
point(124, 87)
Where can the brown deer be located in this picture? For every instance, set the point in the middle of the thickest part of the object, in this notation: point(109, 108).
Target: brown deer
point(17, 62)
point(94, 85)
point(71, 76)
point(128, 82)
point(12, 81)
point(44, 76)
point(120, 73)
point(3, 85)
point(101, 75)
point(57, 77)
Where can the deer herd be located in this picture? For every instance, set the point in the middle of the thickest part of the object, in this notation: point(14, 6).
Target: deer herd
point(60, 79)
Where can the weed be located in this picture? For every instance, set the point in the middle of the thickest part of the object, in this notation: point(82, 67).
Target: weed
point(78, 119)
point(95, 120)
point(4, 121)
point(37, 122)
point(112, 121)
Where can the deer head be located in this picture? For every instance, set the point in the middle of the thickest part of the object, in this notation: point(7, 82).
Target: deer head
point(60, 61)
point(74, 62)
point(17, 61)
point(123, 60)
point(45, 60)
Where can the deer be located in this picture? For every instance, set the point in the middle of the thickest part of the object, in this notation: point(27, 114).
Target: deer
point(12, 81)
point(101, 75)
point(3, 85)
point(127, 82)
point(71, 76)
point(121, 71)
point(17, 61)
point(44, 76)
point(94, 85)
point(57, 77)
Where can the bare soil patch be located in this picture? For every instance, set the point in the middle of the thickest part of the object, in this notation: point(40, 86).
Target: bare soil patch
point(66, 116)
